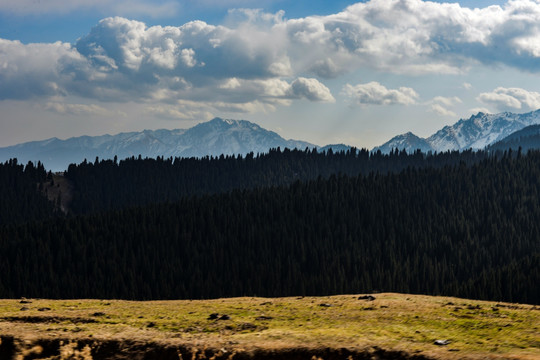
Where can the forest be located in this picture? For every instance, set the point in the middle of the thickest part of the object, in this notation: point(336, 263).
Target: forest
point(109, 184)
point(279, 224)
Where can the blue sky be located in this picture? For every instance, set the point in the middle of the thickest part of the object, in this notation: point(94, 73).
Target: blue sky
point(321, 71)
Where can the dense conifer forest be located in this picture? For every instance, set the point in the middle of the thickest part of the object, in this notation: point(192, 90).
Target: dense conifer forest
point(109, 184)
point(286, 223)
point(21, 198)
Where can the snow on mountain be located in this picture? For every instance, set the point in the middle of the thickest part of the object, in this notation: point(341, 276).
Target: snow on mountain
point(408, 141)
point(219, 136)
point(215, 137)
point(230, 137)
point(477, 132)
point(481, 130)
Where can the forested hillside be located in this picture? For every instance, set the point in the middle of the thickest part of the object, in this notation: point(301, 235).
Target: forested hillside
point(464, 230)
point(112, 184)
point(21, 196)
point(527, 138)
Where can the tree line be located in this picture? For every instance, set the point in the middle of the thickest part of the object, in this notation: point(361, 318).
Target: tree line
point(113, 184)
point(467, 228)
point(21, 195)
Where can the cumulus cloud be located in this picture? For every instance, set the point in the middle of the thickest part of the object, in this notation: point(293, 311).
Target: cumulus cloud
point(261, 61)
point(123, 60)
point(31, 70)
point(440, 105)
point(414, 36)
point(231, 83)
point(374, 93)
point(197, 52)
point(447, 101)
point(511, 99)
point(441, 110)
point(310, 89)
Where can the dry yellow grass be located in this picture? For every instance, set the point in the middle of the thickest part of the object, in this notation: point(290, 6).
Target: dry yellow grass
point(393, 322)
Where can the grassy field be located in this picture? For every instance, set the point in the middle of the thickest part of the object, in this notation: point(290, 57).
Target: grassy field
point(392, 326)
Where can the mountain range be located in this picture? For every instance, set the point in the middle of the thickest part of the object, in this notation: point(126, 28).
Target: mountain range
point(232, 137)
point(477, 132)
point(215, 137)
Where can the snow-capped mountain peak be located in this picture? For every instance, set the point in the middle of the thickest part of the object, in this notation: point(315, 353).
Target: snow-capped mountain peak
point(477, 132)
point(214, 137)
point(408, 141)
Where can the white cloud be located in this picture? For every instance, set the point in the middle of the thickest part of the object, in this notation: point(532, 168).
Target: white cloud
point(194, 51)
point(447, 101)
point(440, 105)
point(477, 110)
point(123, 60)
point(31, 70)
point(440, 110)
point(414, 36)
point(259, 95)
point(251, 64)
point(374, 93)
point(511, 99)
point(188, 58)
point(467, 86)
point(310, 89)
point(231, 83)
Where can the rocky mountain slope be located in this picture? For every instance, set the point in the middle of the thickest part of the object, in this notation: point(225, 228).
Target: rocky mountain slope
point(477, 132)
point(229, 137)
point(214, 137)
point(408, 141)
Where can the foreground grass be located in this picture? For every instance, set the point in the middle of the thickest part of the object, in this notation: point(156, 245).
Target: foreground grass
point(395, 322)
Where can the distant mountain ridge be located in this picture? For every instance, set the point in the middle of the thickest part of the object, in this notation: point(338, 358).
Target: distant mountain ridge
point(477, 132)
point(527, 138)
point(232, 137)
point(408, 141)
point(215, 137)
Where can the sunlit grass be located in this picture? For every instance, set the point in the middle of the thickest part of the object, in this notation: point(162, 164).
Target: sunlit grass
point(475, 329)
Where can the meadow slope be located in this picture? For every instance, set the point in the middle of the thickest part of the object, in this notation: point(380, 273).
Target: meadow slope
point(390, 326)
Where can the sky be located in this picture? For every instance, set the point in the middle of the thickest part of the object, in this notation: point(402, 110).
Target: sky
point(326, 72)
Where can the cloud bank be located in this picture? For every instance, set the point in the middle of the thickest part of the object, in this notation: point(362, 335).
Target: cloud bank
point(511, 99)
point(261, 61)
point(374, 93)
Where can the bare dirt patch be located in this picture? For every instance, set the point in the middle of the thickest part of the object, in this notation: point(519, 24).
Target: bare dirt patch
point(89, 349)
